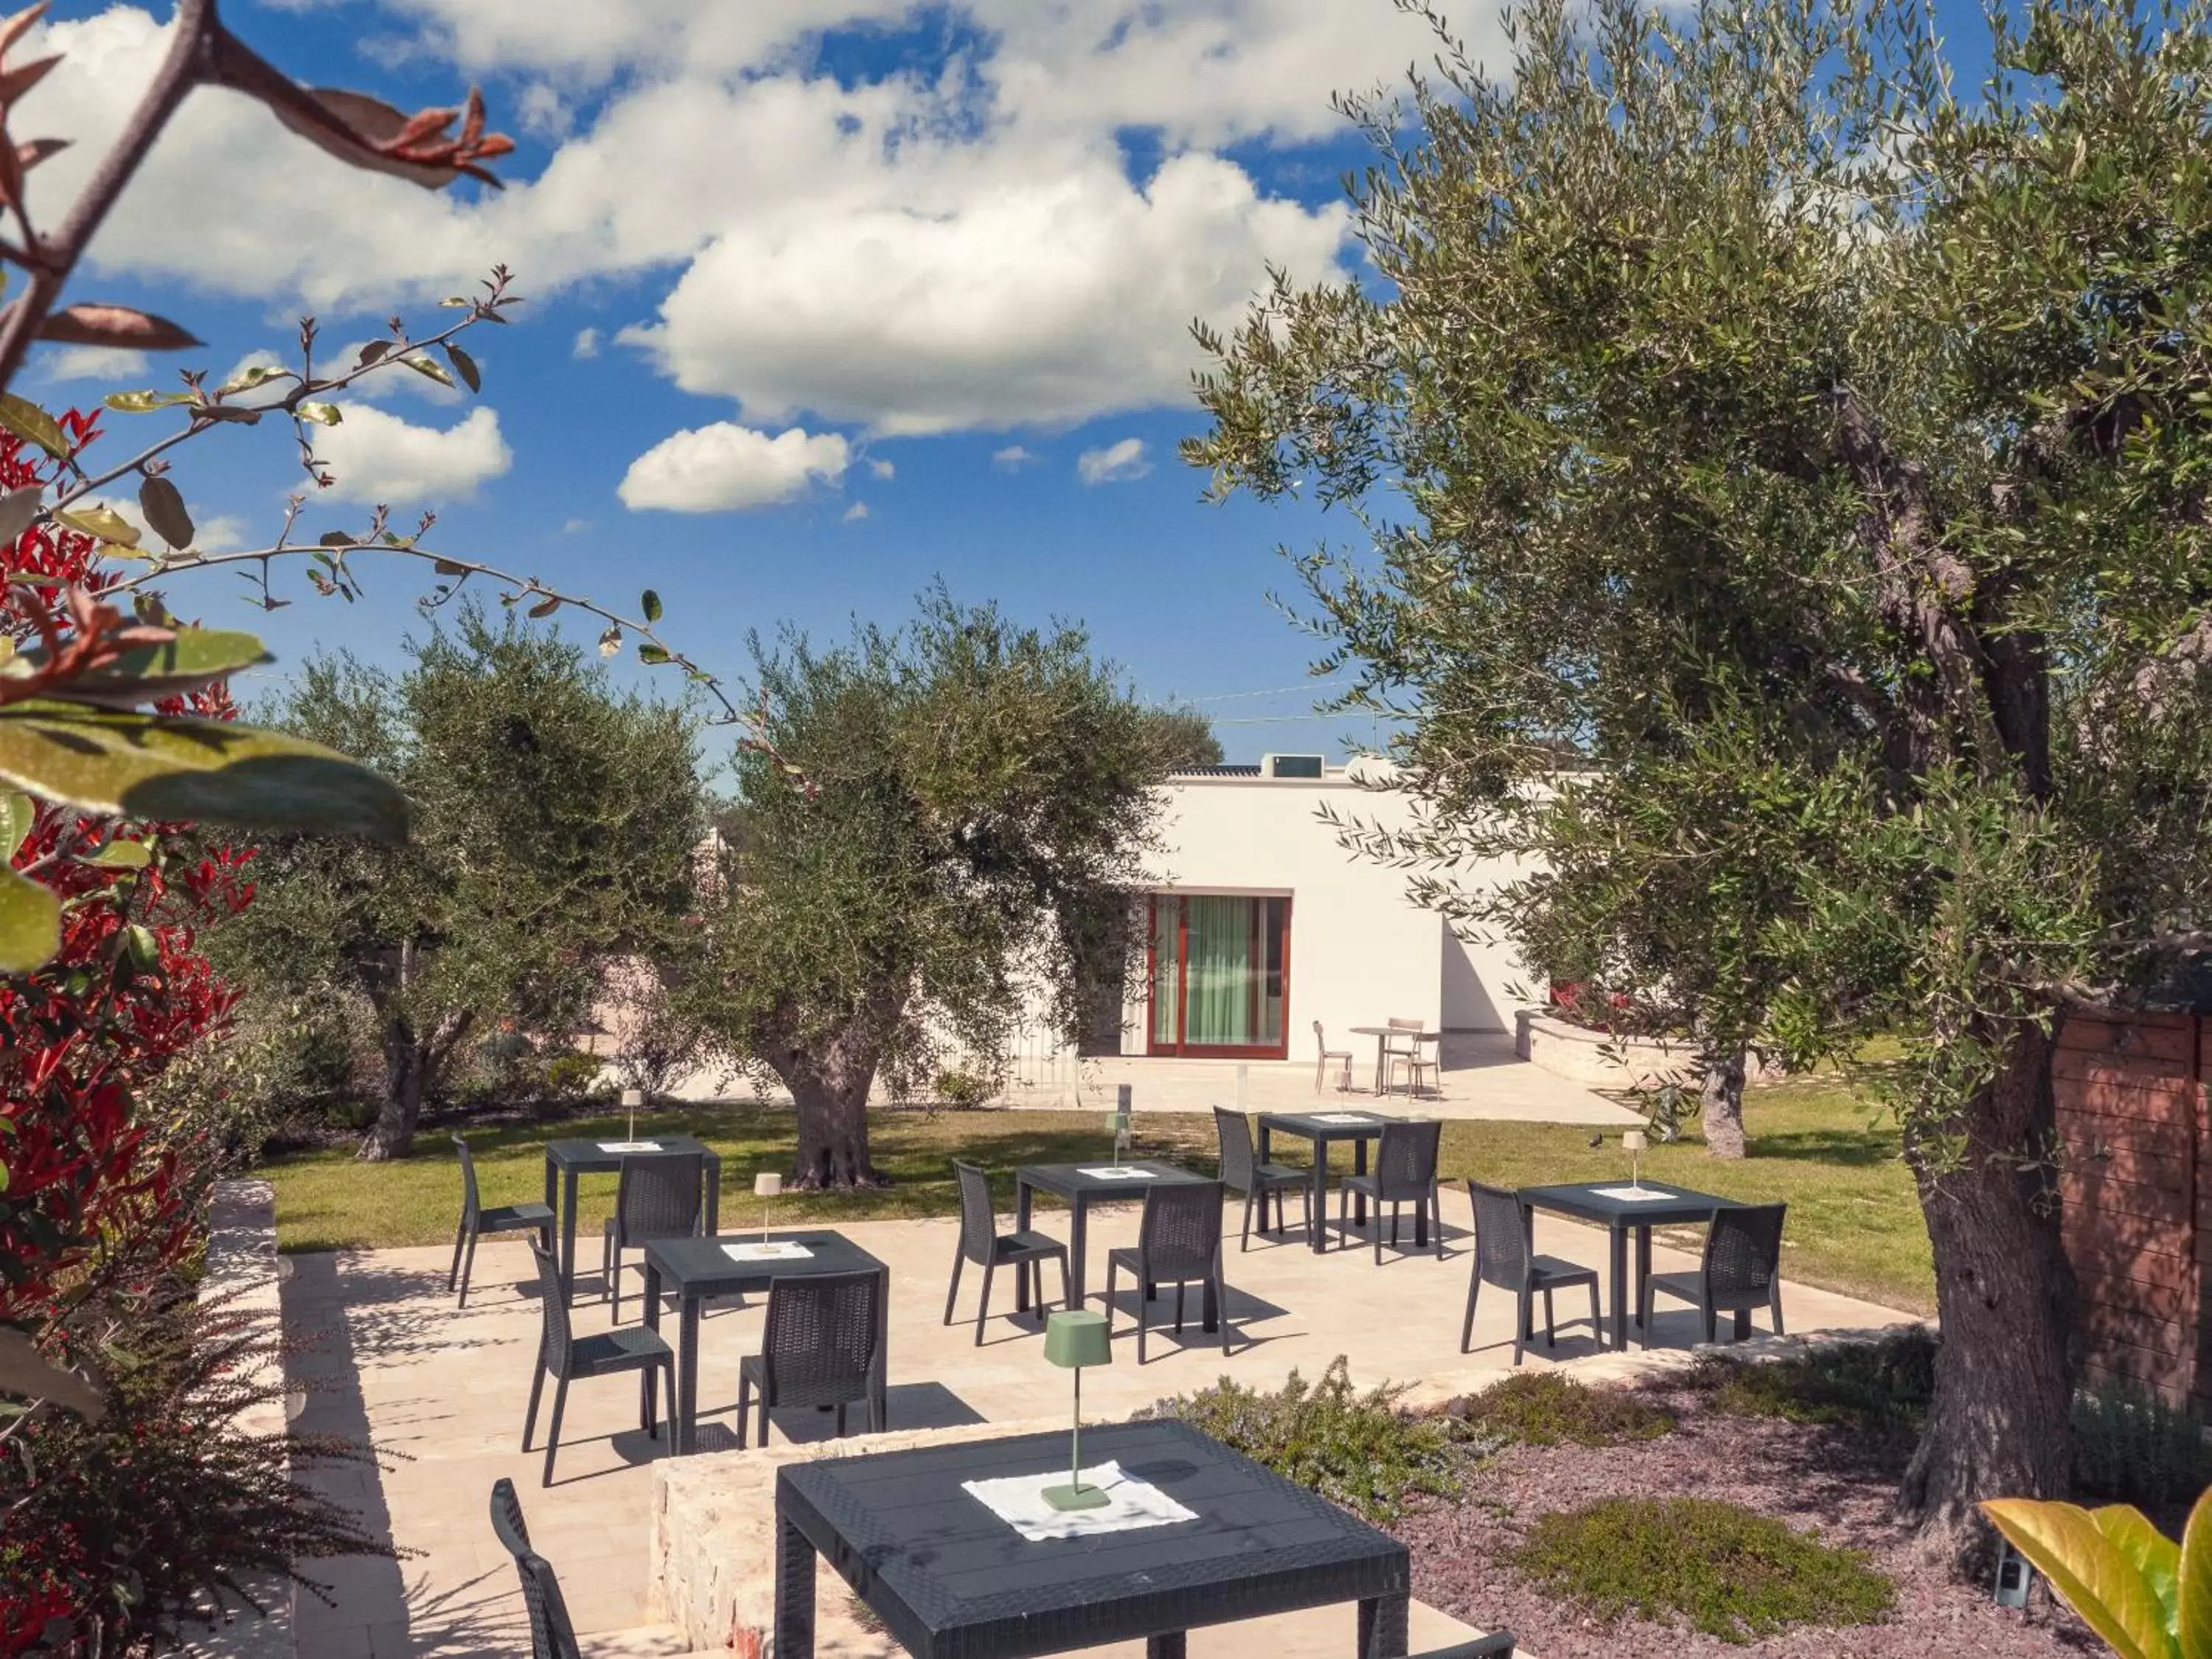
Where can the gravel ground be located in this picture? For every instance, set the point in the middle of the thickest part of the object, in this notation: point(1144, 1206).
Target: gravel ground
point(1837, 1480)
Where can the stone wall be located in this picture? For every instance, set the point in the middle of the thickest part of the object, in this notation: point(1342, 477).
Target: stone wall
point(1599, 1060)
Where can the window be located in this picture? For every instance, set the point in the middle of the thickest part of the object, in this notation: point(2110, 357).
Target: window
point(1220, 975)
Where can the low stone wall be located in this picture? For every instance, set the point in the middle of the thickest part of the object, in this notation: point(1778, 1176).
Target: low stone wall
point(1599, 1060)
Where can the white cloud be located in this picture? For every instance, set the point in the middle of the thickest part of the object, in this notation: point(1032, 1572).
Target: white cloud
point(587, 343)
point(1012, 456)
point(882, 469)
point(725, 467)
point(574, 526)
point(855, 513)
point(86, 362)
point(379, 457)
point(1117, 463)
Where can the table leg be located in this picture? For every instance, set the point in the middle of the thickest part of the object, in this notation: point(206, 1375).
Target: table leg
point(1319, 1196)
point(794, 1593)
point(1210, 1311)
point(649, 1378)
point(1382, 1053)
point(714, 1195)
point(1382, 1623)
point(1024, 1201)
point(879, 1385)
point(1078, 1231)
point(1642, 1270)
point(687, 1377)
point(1619, 1244)
point(1167, 1644)
point(1743, 1324)
point(568, 1237)
point(1359, 1167)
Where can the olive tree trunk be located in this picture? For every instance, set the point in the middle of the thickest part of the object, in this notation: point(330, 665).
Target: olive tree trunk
point(1722, 1090)
point(414, 1061)
point(830, 1078)
point(1999, 1425)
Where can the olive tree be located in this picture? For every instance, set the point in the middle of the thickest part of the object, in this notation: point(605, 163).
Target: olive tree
point(926, 822)
point(1746, 411)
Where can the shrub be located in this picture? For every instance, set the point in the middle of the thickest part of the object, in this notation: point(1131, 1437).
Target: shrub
point(1861, 1385)
point(1544, 1408)
point(569, 1075)
point(1361, 1450)
point(1718, 1567)
point(965, 1090)
point(2132, 1446)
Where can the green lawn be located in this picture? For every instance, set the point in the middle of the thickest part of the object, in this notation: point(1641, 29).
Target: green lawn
point(1854, 1226)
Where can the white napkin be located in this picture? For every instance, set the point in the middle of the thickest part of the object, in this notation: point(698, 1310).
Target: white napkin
point(1633, 1194)
point(629, 1146)
point(777, 1249)
point(1344, 1117)
point(1119, 1172)
point(1019, 1502)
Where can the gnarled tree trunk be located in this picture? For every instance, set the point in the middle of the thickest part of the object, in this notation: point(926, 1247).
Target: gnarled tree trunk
point(413, 1062)
point(1722, 1090)
point(1998, 1427)
point(829, 1080)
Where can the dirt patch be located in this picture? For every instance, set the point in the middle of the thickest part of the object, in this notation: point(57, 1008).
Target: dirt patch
point(1839, 1480)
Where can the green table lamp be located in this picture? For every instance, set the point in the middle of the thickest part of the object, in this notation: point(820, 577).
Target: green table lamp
point(1077, 1340)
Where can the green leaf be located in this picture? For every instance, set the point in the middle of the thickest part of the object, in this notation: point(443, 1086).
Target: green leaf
point(17, 814)
point(163, 505)
point(145, 949)
point(2152, 1554)
point(324, 414)
point(122, 855)
point(651, 605)
point(466, 367)
point(2194, 1599)
point(29, 1375)
point(2098, 1583)
point(30, 923)
point(247, 378)
point(422, 365)
point(144, 403)
point(32, 424)
point(648, 652)
point(102, 523)
point(126, 765)
point(196, 657)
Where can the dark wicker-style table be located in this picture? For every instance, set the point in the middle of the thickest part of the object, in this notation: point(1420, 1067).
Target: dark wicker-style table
point(1585, 1200)
point(951, 1580)
point(696, 1268)
point(567, 1159)
point(1314, 1126)
point(1082, 1190)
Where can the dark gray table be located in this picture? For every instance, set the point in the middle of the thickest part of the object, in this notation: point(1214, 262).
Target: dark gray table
point(1082, 1191)
point(1622, 1216)
point(567, 1159)
point(1309, 1126)
point(951, 1580)
point(697, 1269)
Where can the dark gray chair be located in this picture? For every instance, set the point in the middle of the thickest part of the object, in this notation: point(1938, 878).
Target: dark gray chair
point(820, 1348)
point(1505, 1255)
point(609, 1353)
point(1742, 1271)
point(660, 1195)
point(1498, 1644)
point(1243, 1172)
point(475, 1219)
point(1178, 1243)
point(551, 1634)
point(1405, 1173)
point(981, 1243)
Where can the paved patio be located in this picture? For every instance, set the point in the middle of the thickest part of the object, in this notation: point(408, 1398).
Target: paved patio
point(443, 1392)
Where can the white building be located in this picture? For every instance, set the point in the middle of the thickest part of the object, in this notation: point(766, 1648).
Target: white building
point(1261, 924)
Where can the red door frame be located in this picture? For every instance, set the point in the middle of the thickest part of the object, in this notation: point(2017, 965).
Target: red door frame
point(1178, 1049)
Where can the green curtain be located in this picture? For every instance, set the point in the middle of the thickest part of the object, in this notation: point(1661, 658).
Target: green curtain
point(1217, 999)
point(1166, 992)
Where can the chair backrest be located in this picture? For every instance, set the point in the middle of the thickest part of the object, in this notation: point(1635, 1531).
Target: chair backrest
point(1398, 1044)
point(557, 1334)
point(660, 1196)
point(1743, 1253)
point(1501, 1235)
point(1320, 1042)
point(1405, 1162)
point(471, 1204)
point(979, 1221)
point(1235, 1131)
point(552, 1636)
point(1181, 1234)
point(820, 1342)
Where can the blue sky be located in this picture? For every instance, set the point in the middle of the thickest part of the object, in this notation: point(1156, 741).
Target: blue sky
point(828, 298)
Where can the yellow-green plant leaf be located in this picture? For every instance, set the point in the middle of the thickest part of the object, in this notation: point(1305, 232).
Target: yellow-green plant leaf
point(247, 378)
point(122, 855)
point(194, 658)
point(144, 403)
point(647, 652)
point(163, 504)
point(18, 507)
point(125, 765)
point(2194, 1624)
point(18, 813)
point(32, 424)
point(102, 523)
point(650, 604)
point(422, 365)
point(29, 1375)
point(2098, 1583)
point(2153, 1555)
point(324, 414)
point(30, 923)
point(466, 367)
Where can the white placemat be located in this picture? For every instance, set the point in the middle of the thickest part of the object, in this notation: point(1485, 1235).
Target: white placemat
point(1119, 1172)
point(1633, 1194)
point(629, 1146)
point(1130, 1503)
point(1343, 1117)
point(779, 1249)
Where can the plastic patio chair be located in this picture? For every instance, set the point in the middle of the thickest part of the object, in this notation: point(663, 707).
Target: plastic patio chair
point(1405, 1172)
point(552, 1636)
point(981, 1243)
point(609, 1353)
point(1505, 1256)
point(1241, 1172)
point(476, 1220)
point(1324, 1054)
point(1498, 1644)
point(1178, 1242)
point(1741, 1269)
point(660, 1195)
point(1401, 1047)
point(819, 1348)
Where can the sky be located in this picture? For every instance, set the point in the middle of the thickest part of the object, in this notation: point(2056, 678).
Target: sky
point(828, 299)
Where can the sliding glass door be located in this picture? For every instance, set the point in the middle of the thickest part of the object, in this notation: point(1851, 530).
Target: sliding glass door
point(1220, 976)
